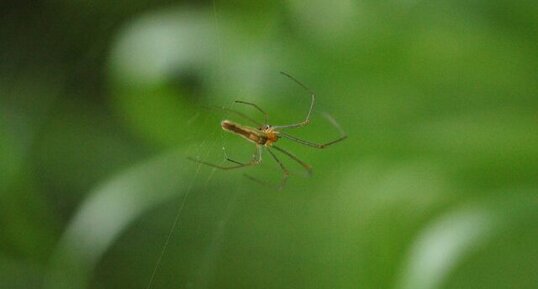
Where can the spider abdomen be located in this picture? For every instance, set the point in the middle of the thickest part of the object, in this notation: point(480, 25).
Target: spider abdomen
point(258, 136)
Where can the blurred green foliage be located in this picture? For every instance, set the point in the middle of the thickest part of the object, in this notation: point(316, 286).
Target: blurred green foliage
point(101, 103)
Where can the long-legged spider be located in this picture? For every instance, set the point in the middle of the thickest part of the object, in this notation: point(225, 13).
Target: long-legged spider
point(266, 135)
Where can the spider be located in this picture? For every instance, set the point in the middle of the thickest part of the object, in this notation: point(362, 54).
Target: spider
point(265, 135)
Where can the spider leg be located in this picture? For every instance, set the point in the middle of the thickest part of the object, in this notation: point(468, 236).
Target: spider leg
point(231, 160)
point(284, 170)
point(240, 114)
point(311, 144)
point(255, 106)
point(284, 177)
point(256, 160)
point(342, 137)
point(235, 162)
point(306, 166)
point(258, 181)
point(312, 102)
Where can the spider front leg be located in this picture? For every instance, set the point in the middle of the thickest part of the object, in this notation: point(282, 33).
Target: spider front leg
point(312, 102)
point(333, 122)
point(256, 160)
point(311, 144)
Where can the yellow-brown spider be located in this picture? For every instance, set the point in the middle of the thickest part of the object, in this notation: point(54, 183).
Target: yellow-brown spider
point(265, 135)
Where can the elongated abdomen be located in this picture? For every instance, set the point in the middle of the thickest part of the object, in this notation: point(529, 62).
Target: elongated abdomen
point(248, 133)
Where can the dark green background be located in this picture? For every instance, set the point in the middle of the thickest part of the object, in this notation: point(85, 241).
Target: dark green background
point(101, 103)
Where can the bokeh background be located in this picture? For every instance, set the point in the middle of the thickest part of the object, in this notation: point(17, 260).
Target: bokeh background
point(101, 103)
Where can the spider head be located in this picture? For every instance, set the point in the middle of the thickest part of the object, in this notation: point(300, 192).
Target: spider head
point(265, 127)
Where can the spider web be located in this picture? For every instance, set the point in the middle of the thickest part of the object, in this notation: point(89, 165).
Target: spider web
point(203, 149)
